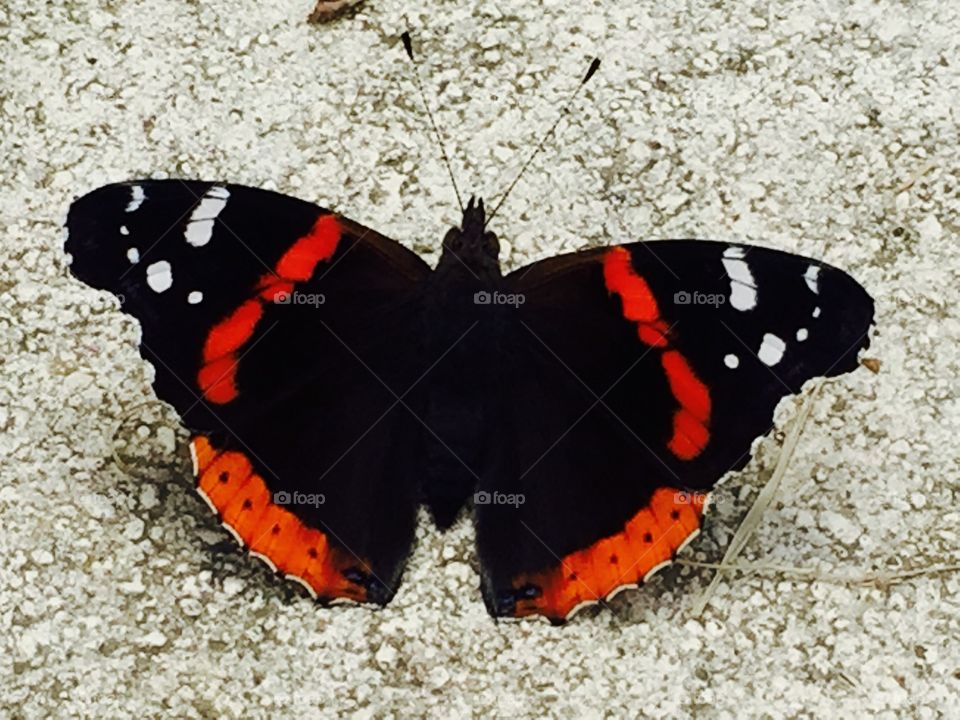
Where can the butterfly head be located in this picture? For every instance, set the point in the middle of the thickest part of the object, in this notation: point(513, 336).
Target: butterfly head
point(471, 245)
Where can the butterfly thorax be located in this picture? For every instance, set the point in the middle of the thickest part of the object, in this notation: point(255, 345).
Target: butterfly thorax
point(470, 248)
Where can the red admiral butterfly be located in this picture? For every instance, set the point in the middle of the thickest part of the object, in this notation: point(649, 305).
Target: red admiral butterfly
point(333, 382)
point(584, 405)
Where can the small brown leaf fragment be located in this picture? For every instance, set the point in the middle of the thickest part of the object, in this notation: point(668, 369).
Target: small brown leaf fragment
point(327, 10)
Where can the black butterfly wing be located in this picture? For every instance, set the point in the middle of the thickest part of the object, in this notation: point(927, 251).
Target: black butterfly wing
point(283, 334)
point(637, 374)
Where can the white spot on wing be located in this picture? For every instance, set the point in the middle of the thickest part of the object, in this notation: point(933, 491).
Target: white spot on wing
point(743, 292)
point(199, 232)
point(771, 349)
point(200, 226)
point(137, 196)
point(816, 312)
point(802, 334)
point(133, 255)
point(731, 361)
point(194, 297)
point(211, 205)
point(811, 276)
point(160, 276)
point(124, 230)
point(742, 297)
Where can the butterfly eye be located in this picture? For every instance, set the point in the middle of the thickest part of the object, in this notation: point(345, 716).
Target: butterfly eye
point(452, 238)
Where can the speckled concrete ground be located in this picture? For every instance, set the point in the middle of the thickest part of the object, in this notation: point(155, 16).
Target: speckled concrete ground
point(819, 126)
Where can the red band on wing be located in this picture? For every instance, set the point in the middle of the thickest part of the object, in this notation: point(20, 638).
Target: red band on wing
point(228, 335)
point(646, 544)
point(275, 291)
point(654, 334)
point(692, 419)
point(299, 262)
point(690, 436)
point(639, 304)
point(217, 378)
point(246, 506)
point(686, 387)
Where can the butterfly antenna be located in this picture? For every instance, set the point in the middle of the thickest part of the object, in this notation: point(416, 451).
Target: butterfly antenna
point(594, 66)
point(408, 46)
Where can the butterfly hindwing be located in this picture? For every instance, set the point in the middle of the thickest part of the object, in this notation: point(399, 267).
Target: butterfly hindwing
point(637, 374)
point(273, 327)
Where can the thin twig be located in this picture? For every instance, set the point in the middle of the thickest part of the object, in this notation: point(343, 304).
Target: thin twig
point(816, 575)
point(753, 517)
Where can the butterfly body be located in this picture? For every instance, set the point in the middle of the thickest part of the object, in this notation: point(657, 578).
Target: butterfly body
point(465, 332)
point(582, 407)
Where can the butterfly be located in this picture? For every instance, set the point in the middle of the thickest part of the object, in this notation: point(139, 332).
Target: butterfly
point(582, 407)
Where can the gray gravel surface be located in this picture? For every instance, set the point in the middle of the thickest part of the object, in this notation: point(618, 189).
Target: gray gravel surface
point(824, 127)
